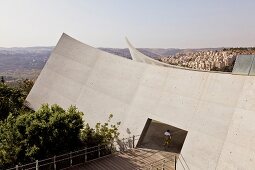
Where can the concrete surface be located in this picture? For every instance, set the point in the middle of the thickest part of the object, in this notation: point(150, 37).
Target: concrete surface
point(217, 110)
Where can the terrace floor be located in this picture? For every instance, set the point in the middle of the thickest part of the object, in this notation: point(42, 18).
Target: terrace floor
point(138, 158)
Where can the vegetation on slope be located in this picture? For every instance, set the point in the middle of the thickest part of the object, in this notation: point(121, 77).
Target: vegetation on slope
point(27, 135)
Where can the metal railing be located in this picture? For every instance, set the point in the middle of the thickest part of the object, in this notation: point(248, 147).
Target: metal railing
point(164, 163)
point(183, 162)
point(79, 157)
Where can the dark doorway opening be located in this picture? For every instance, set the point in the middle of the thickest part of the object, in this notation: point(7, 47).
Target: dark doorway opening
point(152, 137)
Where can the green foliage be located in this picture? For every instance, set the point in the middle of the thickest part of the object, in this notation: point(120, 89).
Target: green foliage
point(9, 143)
point(49, 131)
point(11, 100)
point(2, 80)
point(102, 134)
point(26, 135)
point(25, 86)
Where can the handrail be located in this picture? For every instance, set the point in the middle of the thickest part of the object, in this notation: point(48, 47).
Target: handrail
point(97, 151)
point(160, 162)
point(183, 162)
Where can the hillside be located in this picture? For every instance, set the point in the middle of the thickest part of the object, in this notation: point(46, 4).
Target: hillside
point(20, 63)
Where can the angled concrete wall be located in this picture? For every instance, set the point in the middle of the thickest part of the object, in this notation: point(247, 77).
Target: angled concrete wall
point(217, 110)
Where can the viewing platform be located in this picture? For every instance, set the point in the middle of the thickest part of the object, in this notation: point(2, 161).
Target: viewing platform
point(138, 158)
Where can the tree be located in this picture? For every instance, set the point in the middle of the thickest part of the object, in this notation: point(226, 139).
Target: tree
point(26, 85)
point(9, 142)
point(102, 134)
point(2, 80)
point(11, 100)
point(37, 135)
point(26, 135)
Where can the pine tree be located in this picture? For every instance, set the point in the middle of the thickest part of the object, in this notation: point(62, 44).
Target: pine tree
point(2, 80)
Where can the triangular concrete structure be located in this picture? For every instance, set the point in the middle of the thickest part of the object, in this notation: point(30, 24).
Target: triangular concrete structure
point(217, 109)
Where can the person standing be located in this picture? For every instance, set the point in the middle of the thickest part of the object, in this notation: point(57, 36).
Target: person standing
point(168, 137)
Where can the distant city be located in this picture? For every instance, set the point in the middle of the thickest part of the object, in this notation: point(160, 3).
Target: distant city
point(211, 60)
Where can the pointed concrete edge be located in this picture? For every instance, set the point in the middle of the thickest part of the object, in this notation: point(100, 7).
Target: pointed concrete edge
point(140, 57)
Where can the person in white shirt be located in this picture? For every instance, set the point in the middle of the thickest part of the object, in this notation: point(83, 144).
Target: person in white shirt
point(167, 138)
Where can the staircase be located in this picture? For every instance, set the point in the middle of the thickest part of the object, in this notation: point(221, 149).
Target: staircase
point(138, 158)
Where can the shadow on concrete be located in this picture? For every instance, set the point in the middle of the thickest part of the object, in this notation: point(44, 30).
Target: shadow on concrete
point(153, 137)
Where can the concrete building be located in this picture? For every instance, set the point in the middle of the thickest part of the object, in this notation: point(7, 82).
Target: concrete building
point(216, 109)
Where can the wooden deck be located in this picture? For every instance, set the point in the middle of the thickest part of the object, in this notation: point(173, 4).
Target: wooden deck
point(138, 158)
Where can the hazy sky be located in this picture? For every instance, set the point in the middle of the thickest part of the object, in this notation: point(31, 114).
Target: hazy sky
point(147, 23)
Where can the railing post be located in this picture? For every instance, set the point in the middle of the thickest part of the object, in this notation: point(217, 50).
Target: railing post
point(175, 162)
point(111, 149)
point(98, 150)
point(36, 165)
point(85, 154)
point(17, 167)
point(71, 160)
point(133, 141)
point(54, 159)
point(163, 165)
point(123, 143)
